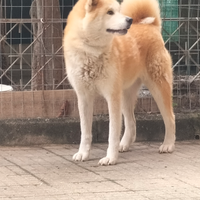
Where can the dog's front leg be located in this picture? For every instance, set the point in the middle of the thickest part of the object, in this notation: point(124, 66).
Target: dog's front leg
point(85, 105)
point(115, 115)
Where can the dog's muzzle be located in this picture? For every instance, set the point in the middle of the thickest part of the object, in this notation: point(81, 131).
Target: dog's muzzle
point(129, 21)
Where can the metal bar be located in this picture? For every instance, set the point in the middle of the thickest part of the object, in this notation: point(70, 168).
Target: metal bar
point(22, 21)
point(20, 55)
point(173, 32)
point(41, 68)
point(9, 68)
point(4, 37)
point(61, 82)
point(198, 74)
point(184, 50)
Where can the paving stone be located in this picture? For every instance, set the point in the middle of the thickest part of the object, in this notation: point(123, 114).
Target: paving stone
point(48, 172)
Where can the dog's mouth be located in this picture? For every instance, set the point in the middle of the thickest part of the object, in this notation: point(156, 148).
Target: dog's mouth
point(120, 31)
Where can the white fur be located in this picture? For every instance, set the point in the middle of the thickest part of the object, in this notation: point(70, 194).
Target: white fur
point(147, 20)
point(89, 74)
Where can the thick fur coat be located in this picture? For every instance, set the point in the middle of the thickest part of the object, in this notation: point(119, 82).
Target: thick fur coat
point(111, 50)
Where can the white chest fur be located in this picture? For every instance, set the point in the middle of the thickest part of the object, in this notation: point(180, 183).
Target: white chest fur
point(93, 68)
point(87, 68)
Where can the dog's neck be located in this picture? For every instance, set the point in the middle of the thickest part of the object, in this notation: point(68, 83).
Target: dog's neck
point(96, 44)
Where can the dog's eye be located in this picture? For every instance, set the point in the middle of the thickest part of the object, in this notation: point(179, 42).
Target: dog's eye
point(110, 12)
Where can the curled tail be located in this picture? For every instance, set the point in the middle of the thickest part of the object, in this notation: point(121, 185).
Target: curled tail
point(142, 11)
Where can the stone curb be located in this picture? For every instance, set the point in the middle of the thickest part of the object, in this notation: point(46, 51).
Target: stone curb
point(150, 127)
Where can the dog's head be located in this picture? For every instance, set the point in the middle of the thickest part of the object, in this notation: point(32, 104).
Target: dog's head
point(104, 16)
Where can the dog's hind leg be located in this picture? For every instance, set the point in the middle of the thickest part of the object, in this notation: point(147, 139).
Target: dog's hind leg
point(85, 106)
point(128, 106)
point(162, 93)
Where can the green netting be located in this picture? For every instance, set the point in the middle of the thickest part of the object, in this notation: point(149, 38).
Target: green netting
point(169, 10)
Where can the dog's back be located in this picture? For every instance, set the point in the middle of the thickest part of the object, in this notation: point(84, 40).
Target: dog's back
point(143, 46)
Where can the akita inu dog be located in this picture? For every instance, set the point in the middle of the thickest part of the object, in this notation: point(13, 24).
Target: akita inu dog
point(112, 49)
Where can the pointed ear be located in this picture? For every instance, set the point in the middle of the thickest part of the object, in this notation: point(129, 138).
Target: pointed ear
point(91, 4)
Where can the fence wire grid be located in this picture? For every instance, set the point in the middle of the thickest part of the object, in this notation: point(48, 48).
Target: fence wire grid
point(31, 57)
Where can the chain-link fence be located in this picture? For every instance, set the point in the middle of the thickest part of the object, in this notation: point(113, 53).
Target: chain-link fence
point(32, 66)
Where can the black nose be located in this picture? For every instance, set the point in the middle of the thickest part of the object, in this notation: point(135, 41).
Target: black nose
point(129, 20)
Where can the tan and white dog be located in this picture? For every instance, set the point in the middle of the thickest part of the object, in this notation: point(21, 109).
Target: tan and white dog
point(103, 56)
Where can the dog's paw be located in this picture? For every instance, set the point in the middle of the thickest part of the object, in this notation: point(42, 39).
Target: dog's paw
point(123, 147)
point(126, 142)
point(107, 161)
point(166, 148)
point(81, 156)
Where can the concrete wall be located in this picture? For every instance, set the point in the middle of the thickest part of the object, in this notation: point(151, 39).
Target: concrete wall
point(48, 104)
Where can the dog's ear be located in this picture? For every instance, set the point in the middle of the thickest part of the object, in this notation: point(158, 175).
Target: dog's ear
point(91, 4)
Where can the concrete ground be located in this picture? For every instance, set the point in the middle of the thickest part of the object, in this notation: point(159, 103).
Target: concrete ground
point(48, 173)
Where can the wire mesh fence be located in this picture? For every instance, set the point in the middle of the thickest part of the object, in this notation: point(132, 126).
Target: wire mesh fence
point(181, 31)
point(32, 65)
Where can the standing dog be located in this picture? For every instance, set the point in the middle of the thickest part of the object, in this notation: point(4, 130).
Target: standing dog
point(103, 56)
